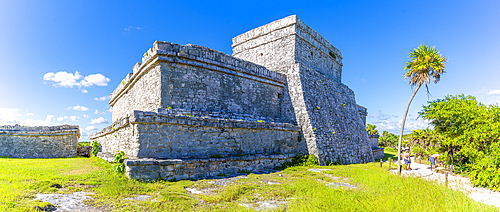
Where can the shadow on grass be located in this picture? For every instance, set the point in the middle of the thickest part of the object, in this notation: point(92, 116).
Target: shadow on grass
point(390, 154)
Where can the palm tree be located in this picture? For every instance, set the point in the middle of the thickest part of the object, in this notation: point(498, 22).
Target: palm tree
point(425, 63)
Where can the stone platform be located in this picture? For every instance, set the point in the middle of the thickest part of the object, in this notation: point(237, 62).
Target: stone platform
point(180, 169)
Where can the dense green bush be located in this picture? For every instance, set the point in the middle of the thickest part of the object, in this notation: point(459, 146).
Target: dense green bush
point(388, 139)
point(371, 129)
point(470, 131)
point(118, 166)
point(95, 148)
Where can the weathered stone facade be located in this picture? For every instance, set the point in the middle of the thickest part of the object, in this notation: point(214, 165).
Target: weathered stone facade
point(279, 94)
point(39, 142)
point(325, 109)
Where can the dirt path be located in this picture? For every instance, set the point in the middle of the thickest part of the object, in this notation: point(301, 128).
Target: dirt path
point(456, 182)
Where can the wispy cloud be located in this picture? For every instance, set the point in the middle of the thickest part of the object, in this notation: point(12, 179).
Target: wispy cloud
point(99, 120)
point(69, 80)
point(102, 98)
point(380, 116)
point(132, 28)
point(78, 108)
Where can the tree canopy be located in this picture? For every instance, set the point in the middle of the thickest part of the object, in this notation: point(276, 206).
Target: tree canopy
point(471, 132)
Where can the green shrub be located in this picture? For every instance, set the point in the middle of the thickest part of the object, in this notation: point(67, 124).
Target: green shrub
point(95, 148)
point(312, 160)
point(118, 166)
point(300, 160)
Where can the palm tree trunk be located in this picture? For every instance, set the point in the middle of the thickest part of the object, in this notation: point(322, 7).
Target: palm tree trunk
point(402, 128)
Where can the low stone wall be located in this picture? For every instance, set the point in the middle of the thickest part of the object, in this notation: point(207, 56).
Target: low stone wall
point(180, 169)
point(378, 153)
point(170, 135)
point(39, 142)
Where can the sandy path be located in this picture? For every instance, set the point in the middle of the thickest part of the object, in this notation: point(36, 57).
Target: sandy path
point(456, 182)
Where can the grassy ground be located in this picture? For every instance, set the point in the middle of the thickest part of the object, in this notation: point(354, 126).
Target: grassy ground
point(377, 190)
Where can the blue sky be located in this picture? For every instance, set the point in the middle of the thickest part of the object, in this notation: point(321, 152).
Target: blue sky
point(61, 59)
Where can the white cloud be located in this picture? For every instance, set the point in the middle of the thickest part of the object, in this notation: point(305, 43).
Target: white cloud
point(71, 118)
point(132, 27)
point(380, 116)
point(95, 79)
point(85, 132)
point(96, 112)
point(395, 126)
point(395, 115)
point(69, 80)
point(99, 120)
point(10, 116)
point(85, 116)
point(78, 108)
point(34, 122)
point(103, 98)
point(494, 92)
point(29, 114)
point(90, 128)
point(63, 79)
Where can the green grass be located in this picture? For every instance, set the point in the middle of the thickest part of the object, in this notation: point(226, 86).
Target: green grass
point(377, 189)
point(80, 144)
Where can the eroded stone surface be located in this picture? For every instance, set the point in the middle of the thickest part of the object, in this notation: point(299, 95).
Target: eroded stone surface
point(68, 202)
point(39, 142)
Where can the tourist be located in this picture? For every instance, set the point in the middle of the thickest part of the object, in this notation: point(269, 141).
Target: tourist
point(433, 159)
point(406, 158)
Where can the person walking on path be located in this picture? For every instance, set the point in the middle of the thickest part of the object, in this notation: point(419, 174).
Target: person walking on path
point(406, 158)
point(433, 158)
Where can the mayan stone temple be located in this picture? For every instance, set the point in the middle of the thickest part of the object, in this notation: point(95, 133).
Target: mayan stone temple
point(190, 112)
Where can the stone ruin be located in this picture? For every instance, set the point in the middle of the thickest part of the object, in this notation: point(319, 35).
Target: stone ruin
point(190, 112)
point(39, 142)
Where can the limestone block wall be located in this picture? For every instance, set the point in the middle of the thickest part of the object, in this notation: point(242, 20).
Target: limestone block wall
point(331, 121)
point(197, 78)
point(288, 41)
point(329, 117)
point(39, 142)
point(171, 134)
point(142, 93)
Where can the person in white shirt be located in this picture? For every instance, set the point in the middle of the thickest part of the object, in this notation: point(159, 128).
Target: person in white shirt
point(406, 158)
point(433, 158)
